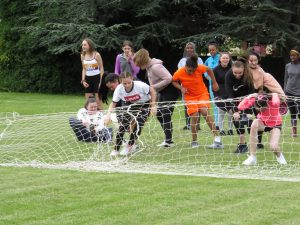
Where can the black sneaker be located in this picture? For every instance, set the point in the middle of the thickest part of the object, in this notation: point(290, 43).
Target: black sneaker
point(186, 127)
point(230, 132)
point(222, 133)
point(241, 148)
point(166, 144)
point(217, 128)
point(260, 146)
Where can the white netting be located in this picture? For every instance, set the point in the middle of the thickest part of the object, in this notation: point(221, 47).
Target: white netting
point(48, 141)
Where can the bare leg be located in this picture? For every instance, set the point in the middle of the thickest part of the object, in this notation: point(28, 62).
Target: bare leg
point(274, 141)
point(257, 125)
point(209, 120)
point(99, 101)
point(194, 118)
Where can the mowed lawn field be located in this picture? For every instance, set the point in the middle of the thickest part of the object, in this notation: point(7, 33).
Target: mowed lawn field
point(56, 196)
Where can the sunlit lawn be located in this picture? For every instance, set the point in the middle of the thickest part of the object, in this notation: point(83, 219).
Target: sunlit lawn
point(53, 196)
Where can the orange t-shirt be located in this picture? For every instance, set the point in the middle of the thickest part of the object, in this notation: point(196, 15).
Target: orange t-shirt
point(194, 83)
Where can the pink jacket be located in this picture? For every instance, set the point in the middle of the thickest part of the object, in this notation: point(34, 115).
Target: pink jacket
point(159, 77)
point(261, 78)
point(270, 116)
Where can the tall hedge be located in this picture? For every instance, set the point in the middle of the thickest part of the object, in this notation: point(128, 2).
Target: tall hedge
point(40, 39)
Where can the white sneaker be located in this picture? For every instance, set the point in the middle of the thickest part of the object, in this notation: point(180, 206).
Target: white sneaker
point(281, 160)
point(195, 144)
point(216, 145)
point(129, 149)
point(114, 153)
point(165, 144)
point(250, 161)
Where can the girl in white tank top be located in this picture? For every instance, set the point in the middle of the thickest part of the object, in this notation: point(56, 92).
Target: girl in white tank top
point(92, 70)
point(91, 67)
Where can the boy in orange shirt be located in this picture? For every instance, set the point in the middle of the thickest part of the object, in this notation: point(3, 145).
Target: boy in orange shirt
point(196, 96)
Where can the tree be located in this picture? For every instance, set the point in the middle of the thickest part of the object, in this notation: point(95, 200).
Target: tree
point(43, 37)
point(262, 21)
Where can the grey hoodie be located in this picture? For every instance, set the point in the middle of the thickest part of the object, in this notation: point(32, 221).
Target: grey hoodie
point(159, 77)
point(292, 78)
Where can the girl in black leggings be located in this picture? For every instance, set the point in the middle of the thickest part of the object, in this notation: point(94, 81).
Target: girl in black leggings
point(292, 87)
point(138, 101)
point(160, 79)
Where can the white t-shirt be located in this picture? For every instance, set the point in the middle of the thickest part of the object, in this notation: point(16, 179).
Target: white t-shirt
point(182, 62)
point(96, 119)
point(140, 93)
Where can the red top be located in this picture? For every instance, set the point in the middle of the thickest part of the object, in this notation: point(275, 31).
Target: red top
point(270, 116)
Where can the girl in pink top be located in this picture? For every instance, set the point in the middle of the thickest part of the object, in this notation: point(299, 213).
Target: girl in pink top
point(268, 120)
point(261, 78)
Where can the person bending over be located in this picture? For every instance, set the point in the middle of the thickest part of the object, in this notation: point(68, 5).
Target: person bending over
point(161, 81)
point(196, 96)
point(268, 120)
point(239, 83)
point(138, 101)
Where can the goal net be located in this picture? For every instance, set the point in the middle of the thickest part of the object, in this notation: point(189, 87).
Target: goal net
point(48, 141)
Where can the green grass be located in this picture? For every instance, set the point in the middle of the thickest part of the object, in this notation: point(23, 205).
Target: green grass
point(36, 196)
point(45, 196)
point(31, 103)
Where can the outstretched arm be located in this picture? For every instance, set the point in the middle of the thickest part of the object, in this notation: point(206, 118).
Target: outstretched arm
point(272, 84)
point(275, 99)
point(111, 108)
point(153, 101)
point(179, 87)
point(213, 79)
point(246, 103)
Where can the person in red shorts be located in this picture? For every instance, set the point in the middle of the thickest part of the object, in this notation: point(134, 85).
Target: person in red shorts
point(196, 96)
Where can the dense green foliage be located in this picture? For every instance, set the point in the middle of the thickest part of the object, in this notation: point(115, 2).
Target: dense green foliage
point(40, 39)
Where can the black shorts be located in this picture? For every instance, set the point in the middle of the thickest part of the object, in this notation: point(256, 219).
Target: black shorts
point(268, 129)
point(93, 82)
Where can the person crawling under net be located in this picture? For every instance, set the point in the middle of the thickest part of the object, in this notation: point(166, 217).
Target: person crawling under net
point(89, 124)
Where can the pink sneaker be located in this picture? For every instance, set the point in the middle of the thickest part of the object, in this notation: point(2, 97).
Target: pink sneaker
point(129, 149)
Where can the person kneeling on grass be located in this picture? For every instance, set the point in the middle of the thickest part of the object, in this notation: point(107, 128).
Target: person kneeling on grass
point(138, 100)
point(196, 96)
point(268, 120)
point(89, 124)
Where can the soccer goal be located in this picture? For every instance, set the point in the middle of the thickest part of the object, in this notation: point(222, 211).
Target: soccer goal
point(48, 141)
